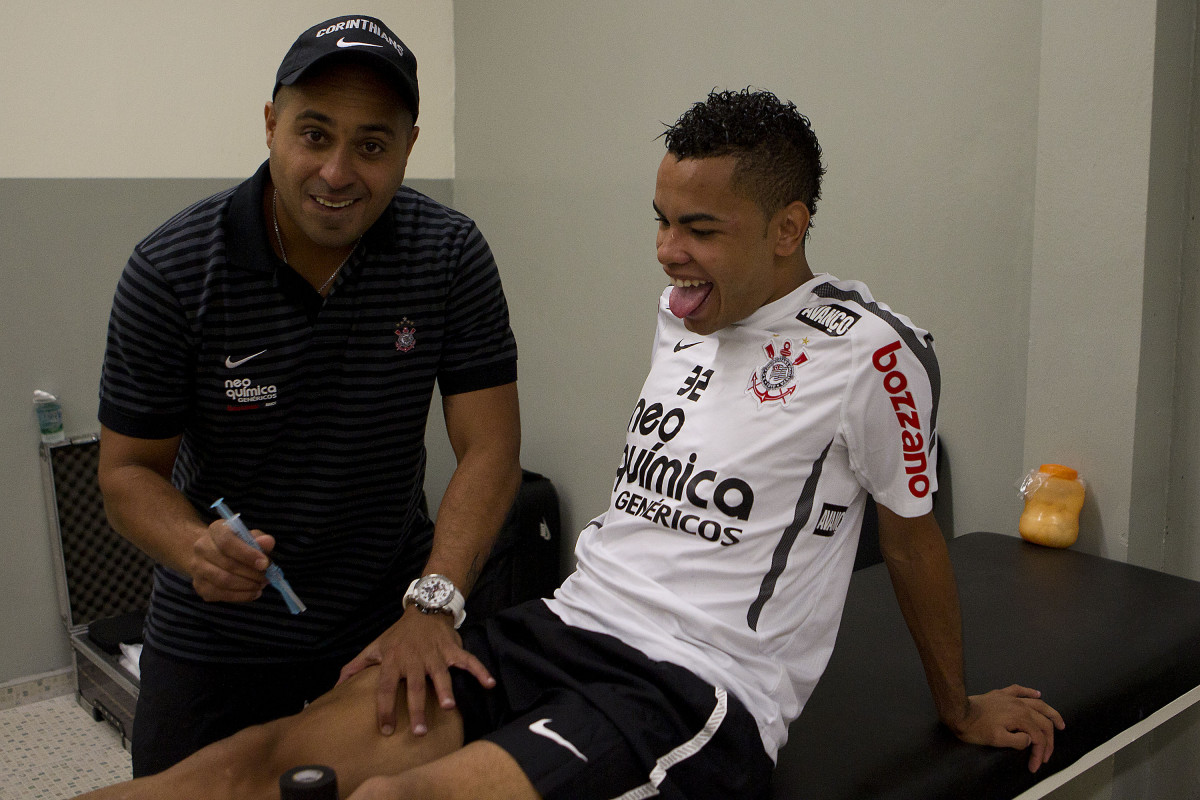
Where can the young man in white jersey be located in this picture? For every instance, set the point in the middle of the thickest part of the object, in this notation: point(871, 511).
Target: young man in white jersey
point(707, 596)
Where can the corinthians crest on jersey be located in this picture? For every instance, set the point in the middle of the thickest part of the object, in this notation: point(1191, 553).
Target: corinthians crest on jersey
point(775, 380)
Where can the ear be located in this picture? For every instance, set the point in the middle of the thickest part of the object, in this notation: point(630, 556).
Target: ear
point(269, 117)
point(412, 139)
point(790, 226)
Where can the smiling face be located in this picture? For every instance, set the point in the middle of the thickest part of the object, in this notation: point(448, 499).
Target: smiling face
point(339, 145)
point(725, 258)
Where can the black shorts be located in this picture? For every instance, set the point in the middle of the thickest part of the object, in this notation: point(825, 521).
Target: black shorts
point(588, 717)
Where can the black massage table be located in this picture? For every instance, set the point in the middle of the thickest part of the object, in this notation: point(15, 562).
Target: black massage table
point(1113, 647)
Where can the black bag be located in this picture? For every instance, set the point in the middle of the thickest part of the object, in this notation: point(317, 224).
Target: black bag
point(524, 564)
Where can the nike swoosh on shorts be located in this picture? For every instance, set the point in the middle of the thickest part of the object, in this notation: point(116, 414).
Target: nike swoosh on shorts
point(540, 729)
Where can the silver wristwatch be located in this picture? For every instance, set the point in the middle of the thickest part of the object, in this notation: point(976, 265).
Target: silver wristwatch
point(436, 594)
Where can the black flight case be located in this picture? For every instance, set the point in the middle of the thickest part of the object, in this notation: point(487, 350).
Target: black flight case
point(103, 582)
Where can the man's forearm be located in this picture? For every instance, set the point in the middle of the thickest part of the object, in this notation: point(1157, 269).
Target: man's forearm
point(923, 579)
point(922, 576)
point(484, 428)
point(147, 510)
point(478, 498)
point(933, 618)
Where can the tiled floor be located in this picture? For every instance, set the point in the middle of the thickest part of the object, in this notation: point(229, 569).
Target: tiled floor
point(54, 749)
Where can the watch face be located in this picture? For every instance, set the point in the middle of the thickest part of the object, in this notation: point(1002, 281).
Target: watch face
point(433, 592)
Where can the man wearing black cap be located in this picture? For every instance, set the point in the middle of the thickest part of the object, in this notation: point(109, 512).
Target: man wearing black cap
point(277, 345)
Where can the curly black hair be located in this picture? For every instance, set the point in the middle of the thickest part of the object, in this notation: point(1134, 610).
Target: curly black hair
point(778, 156)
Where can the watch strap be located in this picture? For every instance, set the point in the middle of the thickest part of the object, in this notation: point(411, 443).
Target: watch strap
point(455, 606)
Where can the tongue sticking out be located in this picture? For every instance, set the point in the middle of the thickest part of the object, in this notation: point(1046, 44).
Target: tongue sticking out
point(686, 299)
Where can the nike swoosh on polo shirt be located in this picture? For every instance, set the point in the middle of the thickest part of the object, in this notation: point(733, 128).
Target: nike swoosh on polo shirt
point(231, 363)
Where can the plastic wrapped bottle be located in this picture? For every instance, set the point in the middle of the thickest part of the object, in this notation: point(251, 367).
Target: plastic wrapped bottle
point(49, 416)
point(1053, 498)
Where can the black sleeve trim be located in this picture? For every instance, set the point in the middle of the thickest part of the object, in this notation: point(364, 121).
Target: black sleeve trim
point(142, 426)
point(483, 377)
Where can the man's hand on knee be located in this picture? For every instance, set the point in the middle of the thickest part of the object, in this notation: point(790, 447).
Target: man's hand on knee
point(417, 647)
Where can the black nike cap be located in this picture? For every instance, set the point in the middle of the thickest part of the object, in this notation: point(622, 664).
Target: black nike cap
point(365, 37)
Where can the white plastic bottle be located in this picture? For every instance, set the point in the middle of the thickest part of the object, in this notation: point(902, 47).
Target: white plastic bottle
point(49, 416)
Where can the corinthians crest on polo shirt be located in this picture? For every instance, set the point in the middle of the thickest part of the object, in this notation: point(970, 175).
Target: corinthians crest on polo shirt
point(406, 335)
point(776, 379)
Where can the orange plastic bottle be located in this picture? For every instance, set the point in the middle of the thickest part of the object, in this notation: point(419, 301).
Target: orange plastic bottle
point(1053, 499)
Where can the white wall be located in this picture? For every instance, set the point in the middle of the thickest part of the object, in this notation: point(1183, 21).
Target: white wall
point(1005, 173)
point(142, 89)
point(1110, 217)
point(928, 116)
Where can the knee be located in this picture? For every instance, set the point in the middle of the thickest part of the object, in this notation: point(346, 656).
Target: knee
point(377, 787)
point(254, 742)
point(237, 766)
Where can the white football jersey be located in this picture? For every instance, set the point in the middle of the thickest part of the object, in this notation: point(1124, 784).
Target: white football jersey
point(730, 536)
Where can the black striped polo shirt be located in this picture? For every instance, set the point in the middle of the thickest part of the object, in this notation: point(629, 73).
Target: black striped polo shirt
point(307, 414)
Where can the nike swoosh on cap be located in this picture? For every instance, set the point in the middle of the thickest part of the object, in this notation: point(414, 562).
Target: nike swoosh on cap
point(540, 729)
point(231, 363)
point(343, 43)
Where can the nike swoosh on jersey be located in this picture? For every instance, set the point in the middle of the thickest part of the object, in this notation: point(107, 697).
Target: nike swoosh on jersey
point(231, 363)
point(343, 43)
point(540, 729)
point(681, 346)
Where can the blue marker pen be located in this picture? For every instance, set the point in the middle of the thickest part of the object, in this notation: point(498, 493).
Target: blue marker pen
point(274, 573)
